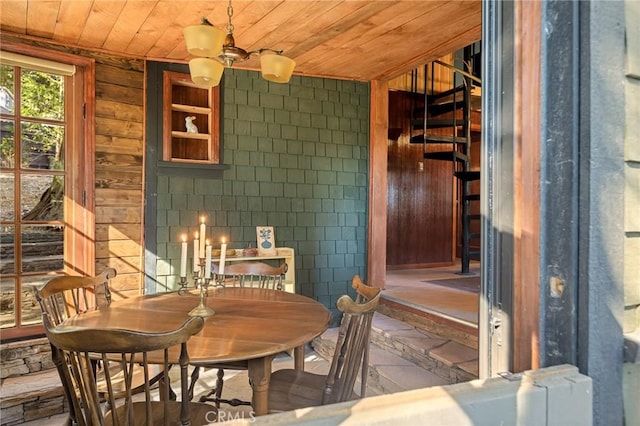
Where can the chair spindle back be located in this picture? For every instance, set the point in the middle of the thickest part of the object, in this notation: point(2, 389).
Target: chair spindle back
point(352, 346)
point(80, 347)
point(253, 274)
point(66, 296)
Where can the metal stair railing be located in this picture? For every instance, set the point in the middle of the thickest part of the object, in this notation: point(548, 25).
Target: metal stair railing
point(460, 154)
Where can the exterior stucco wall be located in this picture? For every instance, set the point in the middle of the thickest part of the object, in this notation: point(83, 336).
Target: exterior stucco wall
point(632, 169)
point(631, 325)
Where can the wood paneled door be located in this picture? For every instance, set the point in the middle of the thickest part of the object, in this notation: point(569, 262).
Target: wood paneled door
point(420, 211)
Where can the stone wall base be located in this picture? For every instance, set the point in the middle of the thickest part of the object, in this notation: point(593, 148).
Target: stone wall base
point(30, 387)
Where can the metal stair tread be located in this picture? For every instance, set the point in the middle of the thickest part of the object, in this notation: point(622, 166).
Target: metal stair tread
point(433, 138)
point(445, 155)
point(436, 123)
point(468, 175)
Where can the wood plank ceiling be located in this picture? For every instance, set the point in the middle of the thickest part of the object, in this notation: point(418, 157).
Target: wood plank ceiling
point(351, 39)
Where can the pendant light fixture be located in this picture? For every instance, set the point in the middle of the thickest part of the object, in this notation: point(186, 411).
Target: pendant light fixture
point(216, 50)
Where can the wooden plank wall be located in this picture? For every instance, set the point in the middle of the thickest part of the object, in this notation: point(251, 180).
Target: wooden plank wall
point(420, 212)
point(443, 78)
point(422, 229)
point(119, 172)
point(420, 203)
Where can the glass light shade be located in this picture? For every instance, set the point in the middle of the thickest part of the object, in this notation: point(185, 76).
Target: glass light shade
point(276, 68)
point(204, 40)
point(205, 72)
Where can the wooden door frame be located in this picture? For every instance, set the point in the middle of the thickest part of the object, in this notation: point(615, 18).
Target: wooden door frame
point(522, 280)
point(377, 226)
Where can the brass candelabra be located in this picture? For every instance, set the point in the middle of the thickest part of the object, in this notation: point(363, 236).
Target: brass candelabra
point(202, 282)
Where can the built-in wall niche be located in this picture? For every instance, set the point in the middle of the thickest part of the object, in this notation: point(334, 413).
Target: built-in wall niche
point(191, 121)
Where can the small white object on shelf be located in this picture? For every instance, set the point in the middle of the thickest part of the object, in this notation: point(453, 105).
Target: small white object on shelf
point(191, 127)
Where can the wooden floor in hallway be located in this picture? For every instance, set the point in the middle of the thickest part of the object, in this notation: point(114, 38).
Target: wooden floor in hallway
point(419, 289)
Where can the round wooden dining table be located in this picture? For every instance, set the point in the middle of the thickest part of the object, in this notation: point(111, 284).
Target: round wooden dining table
point(249, 324)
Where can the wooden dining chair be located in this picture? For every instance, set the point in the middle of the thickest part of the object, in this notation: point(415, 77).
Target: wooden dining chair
point(252, 274)
point(290, 389)
point(76, 348)
point(241, 274)
point(65, 296)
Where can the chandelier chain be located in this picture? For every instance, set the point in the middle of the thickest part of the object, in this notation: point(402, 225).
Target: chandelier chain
point(230, 14)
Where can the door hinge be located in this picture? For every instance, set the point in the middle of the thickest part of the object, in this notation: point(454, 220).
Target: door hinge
point(84, 111)
point(84, 198)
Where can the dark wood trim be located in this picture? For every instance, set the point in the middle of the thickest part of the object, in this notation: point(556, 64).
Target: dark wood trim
point(526, 333)
point(171, 80)
point(418, 266)
point(377, 232)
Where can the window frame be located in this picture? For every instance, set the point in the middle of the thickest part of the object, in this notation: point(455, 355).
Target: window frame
point(79, 203)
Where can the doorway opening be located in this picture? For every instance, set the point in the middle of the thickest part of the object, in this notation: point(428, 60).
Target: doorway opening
point(433, 217)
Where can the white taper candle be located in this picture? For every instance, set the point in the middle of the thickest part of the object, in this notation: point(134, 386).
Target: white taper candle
point(196, 256)
point(207, 264)
point(223, 257)
point(183, 257)
point(203, 230)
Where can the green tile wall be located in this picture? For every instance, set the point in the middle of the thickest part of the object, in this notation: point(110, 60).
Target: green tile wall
point(298, 161)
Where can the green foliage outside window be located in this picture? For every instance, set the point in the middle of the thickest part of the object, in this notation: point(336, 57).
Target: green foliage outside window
point(42, 98)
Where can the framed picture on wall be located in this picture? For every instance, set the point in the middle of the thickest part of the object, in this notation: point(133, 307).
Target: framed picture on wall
point(266, 239)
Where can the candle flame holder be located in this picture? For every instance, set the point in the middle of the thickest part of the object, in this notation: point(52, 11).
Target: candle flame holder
point(201, 282)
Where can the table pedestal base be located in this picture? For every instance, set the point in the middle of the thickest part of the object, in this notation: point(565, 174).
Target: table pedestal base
point(259, 376)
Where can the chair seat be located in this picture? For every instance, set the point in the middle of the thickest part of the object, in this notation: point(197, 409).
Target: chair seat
point(291, 389)
point(117, 379)
point(200, 414)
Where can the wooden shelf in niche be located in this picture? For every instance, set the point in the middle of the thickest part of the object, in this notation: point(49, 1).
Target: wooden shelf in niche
point(182, 99)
